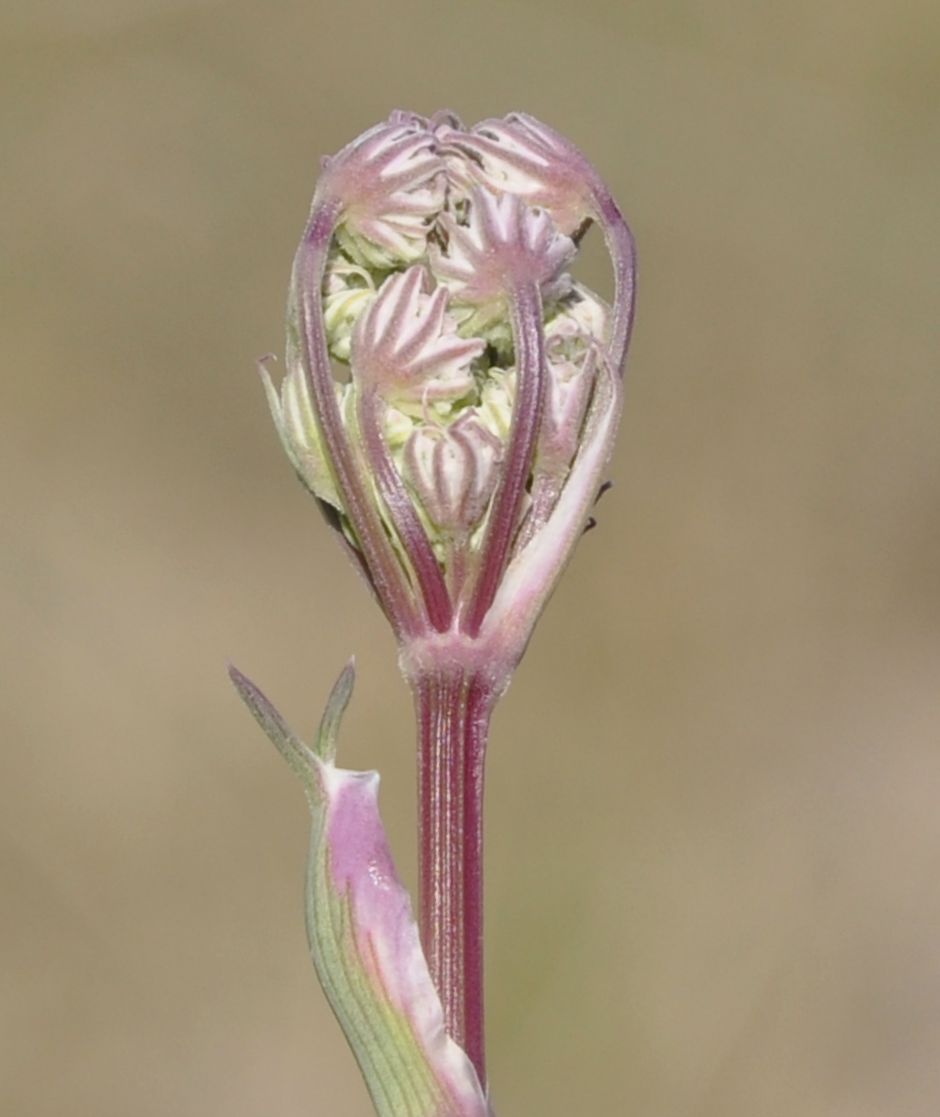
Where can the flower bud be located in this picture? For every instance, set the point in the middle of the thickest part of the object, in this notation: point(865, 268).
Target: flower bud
point(348, 289)
point(406, 345)
point(497, 399)
point(453, 471)
point(479, 405)
point(391, 184)
point(521, 156)
point(503, 244)
point(397, 427)
point(573, 340)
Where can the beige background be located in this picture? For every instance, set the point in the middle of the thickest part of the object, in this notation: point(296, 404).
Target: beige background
point(714, 799)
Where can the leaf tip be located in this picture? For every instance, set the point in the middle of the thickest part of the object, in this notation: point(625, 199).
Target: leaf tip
point(333, 714)
point(288, 744)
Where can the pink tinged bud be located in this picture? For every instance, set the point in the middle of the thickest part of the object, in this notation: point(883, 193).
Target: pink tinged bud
point(406, 347)
point(569, 388)
point(505, 245)
point(363, 937)
point(391, 185)
point(453, 470)
point(469, 229)
point(523, 156)
point(520, 155)
point(574, 338)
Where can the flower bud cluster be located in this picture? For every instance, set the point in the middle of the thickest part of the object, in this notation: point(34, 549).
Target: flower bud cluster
point(437, 343)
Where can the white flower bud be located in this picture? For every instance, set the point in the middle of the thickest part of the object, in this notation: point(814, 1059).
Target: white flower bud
point(347, 290)
point(497, 398)
point(397, 428)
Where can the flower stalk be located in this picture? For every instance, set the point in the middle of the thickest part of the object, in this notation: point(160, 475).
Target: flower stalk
point(450, 398)
point(505, 519)
point(453, 709)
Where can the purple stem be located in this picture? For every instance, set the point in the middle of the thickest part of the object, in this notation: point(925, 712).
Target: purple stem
point(529, 341)
point(546, 488)
point(386, 573)
point(453, 709)
point(404, 518)
point(622, 250)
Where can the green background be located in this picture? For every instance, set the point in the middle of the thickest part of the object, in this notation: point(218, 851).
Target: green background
point(713, 825)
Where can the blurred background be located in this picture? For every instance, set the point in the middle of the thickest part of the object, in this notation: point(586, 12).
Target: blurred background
point(713, 825)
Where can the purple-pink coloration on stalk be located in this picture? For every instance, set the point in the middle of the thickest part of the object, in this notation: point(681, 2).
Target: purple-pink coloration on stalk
point(451, 397)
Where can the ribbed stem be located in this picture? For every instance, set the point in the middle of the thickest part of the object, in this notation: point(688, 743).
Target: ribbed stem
point(622, 250)
point(525, 306)
point(453, 712)
point(384, 571)
point(401, 511)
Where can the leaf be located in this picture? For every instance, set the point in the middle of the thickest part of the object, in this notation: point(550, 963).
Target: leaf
point(362, 934)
